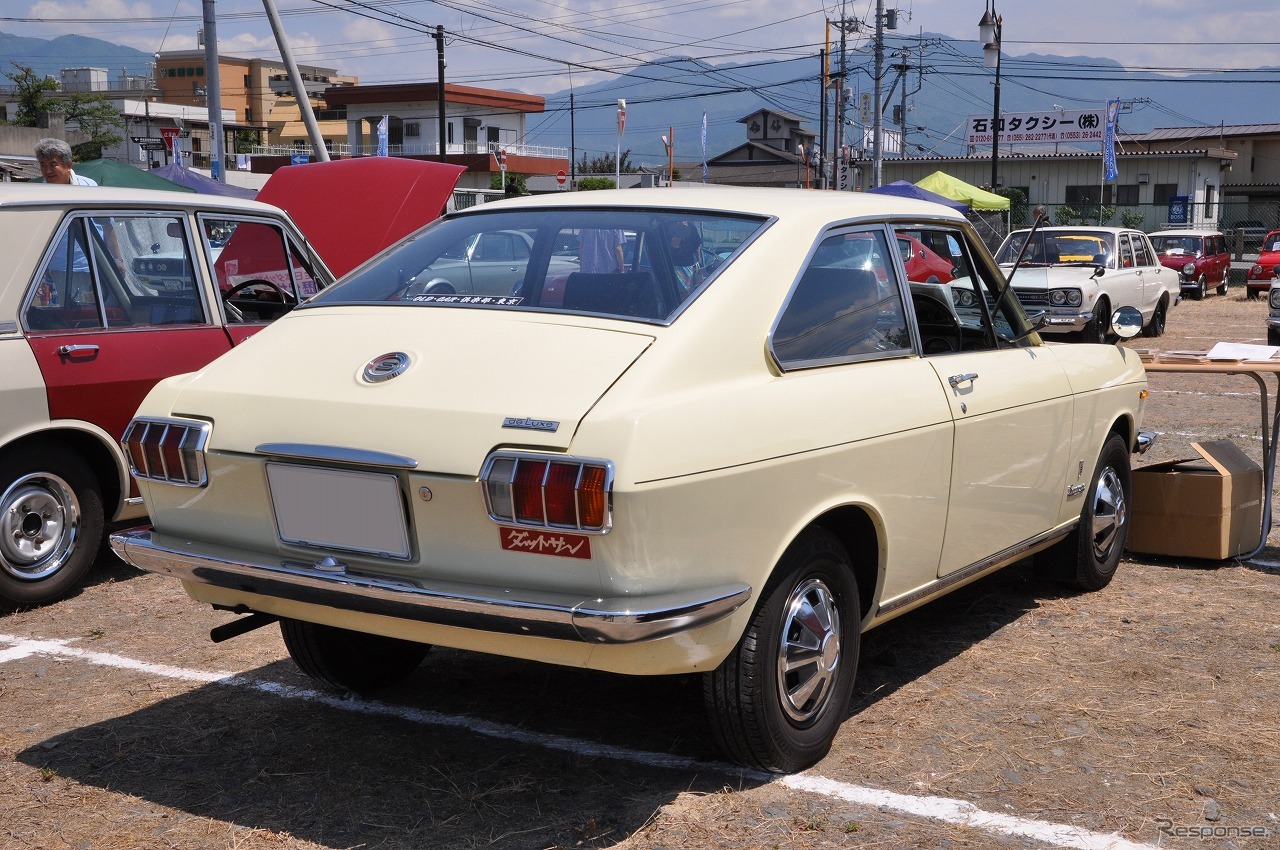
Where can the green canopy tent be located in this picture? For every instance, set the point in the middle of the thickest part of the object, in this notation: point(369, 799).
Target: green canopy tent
point(108, 172)
point(958, 190)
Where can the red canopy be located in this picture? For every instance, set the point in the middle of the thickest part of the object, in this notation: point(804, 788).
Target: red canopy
point(351, 209)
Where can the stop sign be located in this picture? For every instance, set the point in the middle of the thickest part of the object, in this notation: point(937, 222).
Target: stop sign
point(561, 177)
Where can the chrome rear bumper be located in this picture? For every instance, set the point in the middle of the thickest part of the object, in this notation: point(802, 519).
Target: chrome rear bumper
point(501, 610)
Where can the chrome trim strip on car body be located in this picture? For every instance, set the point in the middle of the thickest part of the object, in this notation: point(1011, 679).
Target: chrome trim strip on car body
point(552, 615)
point(1000, 559)
point(337, 454)
point(8, 327)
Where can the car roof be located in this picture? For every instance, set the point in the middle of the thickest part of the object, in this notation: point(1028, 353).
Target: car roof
point(795, 204)
point(1076, 228)
point(42, 194)
point(1186, 233)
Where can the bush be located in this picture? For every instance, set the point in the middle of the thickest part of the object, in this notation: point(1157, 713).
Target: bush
point(586, 184)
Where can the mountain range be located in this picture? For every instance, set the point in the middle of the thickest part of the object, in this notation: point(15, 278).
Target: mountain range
point(945, 83)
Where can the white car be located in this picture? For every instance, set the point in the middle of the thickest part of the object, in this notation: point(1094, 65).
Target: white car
point(1077, 276)
point(103, 292)
point(729, 463)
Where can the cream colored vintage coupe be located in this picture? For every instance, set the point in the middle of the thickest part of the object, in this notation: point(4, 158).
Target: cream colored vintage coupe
point(732, 457)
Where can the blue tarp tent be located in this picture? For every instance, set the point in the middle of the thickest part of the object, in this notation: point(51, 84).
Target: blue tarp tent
point(199, 183)
point(905, 189)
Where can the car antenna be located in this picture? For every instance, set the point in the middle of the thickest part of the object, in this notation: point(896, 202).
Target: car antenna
point(1008, 279)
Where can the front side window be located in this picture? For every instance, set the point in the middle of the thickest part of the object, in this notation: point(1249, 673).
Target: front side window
point(972, 311)
point(260, 271)
point(642, 265)
point(114, 271)
point(846, 305)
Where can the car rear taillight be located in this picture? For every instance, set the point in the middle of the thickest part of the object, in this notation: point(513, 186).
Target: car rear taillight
point(170, 450)
point(548, 492)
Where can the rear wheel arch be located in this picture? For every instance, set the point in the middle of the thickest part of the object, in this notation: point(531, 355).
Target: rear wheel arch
point(856, 530)
point(88, 447)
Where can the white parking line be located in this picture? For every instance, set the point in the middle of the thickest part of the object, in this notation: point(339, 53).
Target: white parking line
point(958, 812)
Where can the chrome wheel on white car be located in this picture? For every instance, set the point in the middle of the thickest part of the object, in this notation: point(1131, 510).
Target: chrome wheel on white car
point(50, 524)
point(777, 701)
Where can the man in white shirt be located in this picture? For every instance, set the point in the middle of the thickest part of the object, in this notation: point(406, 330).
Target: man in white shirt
point(54, 156)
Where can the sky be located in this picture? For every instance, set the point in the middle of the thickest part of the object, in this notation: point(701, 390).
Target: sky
point(530, 45)
point(547, 46)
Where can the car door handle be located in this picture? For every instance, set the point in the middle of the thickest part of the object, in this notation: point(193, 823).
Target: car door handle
point(73, 350)
point(967, 377)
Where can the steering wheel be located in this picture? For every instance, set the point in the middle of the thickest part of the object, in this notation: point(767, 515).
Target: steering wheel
point(264, 290)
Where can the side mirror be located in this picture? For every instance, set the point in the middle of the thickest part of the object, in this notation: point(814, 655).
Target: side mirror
point(1126, 322)
point(1098, 271)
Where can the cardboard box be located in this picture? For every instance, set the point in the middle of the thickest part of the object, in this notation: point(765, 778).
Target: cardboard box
point(1207, 507)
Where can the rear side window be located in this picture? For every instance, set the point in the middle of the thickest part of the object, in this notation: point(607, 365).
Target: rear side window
point(118, 271)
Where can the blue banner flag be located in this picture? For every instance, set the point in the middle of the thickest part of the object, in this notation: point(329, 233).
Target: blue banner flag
point(382, 136)
point(1109, 142)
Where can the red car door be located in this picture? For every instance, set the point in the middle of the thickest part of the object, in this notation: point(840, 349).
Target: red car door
point(117, 307)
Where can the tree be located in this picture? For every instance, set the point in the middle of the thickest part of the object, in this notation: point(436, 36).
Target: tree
point(29, 91)
point(495, 182)
point(94, 116)
point(587, 184)
point(1017, 201)
point(605, 164)
point(245, 140)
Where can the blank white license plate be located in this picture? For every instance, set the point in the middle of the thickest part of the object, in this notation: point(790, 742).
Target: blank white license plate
point(336, 509)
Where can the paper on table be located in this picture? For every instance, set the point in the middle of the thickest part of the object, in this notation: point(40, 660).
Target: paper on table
point(1242, 351)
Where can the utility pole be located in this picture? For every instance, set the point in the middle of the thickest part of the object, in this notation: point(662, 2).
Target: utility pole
point(213, 95)
point(440, 137)
point(843, 178)
point(877, 118)
point(822, 112)
point(295, 78)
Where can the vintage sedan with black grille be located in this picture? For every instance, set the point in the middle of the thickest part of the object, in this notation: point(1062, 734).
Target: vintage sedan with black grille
point(1074, 277)
point(730, 458)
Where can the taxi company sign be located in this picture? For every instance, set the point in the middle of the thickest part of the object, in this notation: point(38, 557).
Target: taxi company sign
point(1052, 127)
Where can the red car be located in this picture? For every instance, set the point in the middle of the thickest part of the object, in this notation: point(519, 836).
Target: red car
point(1260, 275)
point(1200, 257)
point(923, 264)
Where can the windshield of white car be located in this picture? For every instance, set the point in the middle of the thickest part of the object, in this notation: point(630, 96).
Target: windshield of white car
point(1059, 247)
point(636, 264)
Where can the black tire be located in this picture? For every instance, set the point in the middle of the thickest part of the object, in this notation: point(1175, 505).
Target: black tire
point(50, 524)
point(1088, 558)
point(1273, 336)
point(1098, 329)
point(1222, 287)
point(1156, 326)
point(351, 661)
point(1201, 290)
point(766, 713)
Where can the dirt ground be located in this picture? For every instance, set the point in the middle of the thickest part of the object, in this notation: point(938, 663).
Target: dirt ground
point(1011, 713)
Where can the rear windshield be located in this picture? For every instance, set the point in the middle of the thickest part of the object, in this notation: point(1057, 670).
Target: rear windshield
point(635, 264)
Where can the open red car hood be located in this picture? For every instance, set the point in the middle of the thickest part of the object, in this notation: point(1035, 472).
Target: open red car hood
point(351, 209)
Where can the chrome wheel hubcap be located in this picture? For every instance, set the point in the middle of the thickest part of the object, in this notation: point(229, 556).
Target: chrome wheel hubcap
point(39, 523)
point(809, 652)
point(1109, 513)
